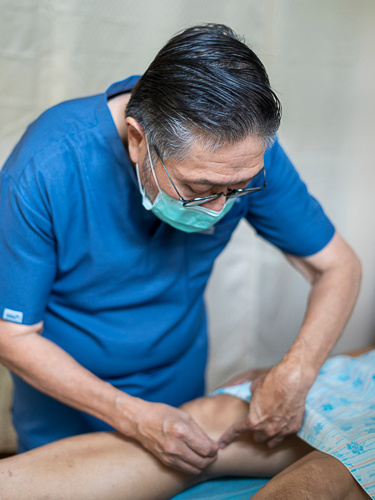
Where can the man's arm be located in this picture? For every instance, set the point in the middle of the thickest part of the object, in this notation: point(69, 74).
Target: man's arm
point(335, 276)
point(169, 433)
point(278, 397)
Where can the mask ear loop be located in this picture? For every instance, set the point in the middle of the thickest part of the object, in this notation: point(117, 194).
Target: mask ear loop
point(152, 166)
point(141, 188)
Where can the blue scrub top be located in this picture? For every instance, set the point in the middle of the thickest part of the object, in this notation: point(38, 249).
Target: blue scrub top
point(118, 289)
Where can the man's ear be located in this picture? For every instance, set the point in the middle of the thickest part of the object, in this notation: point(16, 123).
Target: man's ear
point(136, 140)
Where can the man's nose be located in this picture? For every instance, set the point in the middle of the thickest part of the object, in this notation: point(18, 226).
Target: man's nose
point(215, 205)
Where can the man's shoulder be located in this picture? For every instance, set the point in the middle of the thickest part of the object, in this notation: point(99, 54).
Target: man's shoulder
point(67, 117)
point(52, 135)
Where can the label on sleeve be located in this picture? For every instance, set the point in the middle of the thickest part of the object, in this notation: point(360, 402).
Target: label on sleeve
point(10, 315)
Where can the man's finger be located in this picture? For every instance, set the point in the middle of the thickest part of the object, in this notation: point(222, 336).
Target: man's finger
point(185, 467)
point(260, 437)
point(178, 454)
point(269, 432)
point(238, 428)
point(201, 443)
point(193, 458)
point(275, 441)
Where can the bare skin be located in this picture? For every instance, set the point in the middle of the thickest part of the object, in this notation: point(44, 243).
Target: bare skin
point(316, 476)
point(111, 466)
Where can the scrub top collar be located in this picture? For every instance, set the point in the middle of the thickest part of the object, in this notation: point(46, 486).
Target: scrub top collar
point(107, 124)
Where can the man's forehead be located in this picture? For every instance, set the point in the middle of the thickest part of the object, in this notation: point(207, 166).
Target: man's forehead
point(244, 158)
point(252, 146)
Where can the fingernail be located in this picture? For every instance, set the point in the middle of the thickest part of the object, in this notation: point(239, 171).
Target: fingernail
point(222, 445)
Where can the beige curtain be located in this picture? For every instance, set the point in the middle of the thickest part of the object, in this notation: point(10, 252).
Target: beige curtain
point(320, 58)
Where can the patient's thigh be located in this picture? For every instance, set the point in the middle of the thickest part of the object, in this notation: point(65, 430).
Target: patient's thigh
point(96, 466)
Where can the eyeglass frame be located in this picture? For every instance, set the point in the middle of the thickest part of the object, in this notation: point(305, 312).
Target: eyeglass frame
point(194, 202)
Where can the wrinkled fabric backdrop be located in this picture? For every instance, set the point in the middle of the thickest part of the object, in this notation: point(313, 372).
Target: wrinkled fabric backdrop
point(320, 59)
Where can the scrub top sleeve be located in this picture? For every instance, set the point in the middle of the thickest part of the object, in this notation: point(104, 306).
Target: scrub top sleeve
point(27, 253)
point(285, 213)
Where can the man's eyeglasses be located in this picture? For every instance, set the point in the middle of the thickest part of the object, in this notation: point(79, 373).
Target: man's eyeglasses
point(232, 193)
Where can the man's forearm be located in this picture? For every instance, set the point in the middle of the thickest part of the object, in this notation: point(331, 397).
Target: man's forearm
point(331, 301)
point(50, 369)
point(171, 434)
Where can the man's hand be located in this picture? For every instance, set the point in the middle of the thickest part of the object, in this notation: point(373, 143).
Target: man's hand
point(276, 408)
point(174, 437)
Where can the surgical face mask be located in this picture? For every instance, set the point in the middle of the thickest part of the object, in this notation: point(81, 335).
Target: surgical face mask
point(173, 212)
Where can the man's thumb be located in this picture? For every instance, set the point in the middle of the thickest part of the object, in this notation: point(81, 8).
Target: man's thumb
point(238, 428)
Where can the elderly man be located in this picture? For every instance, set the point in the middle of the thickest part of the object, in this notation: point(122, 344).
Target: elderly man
point(113, 209)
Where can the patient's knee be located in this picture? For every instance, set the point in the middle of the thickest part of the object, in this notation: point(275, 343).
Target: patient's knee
point(216, 414)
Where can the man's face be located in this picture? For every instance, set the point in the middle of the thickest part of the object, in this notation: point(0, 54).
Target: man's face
point(205, 173)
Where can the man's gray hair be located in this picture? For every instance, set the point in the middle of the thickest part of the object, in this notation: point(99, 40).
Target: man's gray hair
point(205, 85)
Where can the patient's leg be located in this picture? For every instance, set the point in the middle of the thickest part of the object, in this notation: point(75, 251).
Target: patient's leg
point(107, 465)
point(316, 476)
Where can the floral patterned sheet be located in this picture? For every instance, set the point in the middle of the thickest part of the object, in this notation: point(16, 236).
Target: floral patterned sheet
point(340, 414)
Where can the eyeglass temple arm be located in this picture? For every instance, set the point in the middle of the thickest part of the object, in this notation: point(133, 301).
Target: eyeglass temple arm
point(165, 168)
